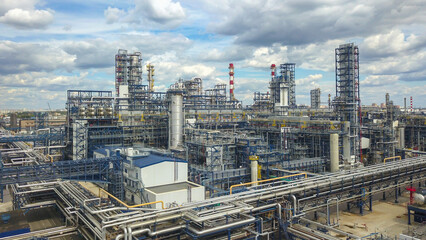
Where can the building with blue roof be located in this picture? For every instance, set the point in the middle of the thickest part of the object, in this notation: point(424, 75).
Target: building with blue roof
point(155, 175)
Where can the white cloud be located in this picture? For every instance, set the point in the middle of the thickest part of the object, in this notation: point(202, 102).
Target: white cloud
point(112, 15)
point(23, 15)
point(312, 79)
point(149, 14)
point(263, 57)
point(391, 43)
point(379, 80)
point(160, 11)
point(22, 57)
point(263, 23)
point(44, 81)
point(6, 5)
point(198, 70)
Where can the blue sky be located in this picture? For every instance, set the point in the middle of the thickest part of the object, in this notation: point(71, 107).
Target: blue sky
point(50, 46)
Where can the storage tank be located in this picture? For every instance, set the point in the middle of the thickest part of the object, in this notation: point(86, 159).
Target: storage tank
point(82, 112)
point(90, 111)
point(100, 111)
point(108, 111)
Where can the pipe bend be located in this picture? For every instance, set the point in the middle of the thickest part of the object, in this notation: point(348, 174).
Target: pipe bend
point(294, 204)
point(129, 233)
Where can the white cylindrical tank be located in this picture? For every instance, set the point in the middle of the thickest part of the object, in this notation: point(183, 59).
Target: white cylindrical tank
point(283, 95)
point(334, 152)
point(254, 168)
point(176, 121)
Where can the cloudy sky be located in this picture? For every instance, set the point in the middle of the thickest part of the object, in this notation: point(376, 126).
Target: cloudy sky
point(49, 46)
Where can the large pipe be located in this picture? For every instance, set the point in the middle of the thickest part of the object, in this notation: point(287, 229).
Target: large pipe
point(149, 232)
point(334, 152)
point(249, 220)
point(294, 204)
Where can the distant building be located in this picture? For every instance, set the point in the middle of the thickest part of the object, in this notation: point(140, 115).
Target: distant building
point(26, 124)
point(13, 120)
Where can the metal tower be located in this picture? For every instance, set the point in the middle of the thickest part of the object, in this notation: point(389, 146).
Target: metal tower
point(347, 101)
point(315, 98)
point(288, 73)
point(128, 69)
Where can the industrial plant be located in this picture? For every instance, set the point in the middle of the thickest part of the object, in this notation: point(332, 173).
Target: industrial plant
point(196, 163)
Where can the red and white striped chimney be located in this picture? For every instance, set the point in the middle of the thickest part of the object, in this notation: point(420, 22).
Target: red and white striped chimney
point(411, 102)
point(231, 82)
point(273, 68)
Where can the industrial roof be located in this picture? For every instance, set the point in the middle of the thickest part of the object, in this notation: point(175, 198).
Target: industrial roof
point(104, 152)
point(152, 159)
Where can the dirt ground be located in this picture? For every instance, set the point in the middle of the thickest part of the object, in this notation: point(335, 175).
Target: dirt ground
point(387, 218)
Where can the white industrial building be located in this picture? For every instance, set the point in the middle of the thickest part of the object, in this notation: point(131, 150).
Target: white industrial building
point(153, 175)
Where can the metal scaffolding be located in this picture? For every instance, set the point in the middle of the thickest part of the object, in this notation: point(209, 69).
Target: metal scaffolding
point(316, 98)
point(347, 101)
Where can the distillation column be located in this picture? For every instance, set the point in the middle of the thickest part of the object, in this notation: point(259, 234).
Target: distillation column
point(176, 121)
point(347, 142)
point(401, 139)
point(254, 168)
point(334, 152)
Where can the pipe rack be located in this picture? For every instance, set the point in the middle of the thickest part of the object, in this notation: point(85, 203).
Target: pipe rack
point(238, 212)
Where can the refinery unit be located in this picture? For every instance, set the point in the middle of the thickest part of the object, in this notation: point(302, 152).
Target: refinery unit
point(195, 163)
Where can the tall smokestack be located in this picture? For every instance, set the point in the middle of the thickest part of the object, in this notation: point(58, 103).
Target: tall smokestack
point(405, 105)
point(411, 102)
point(231, 82)
point(273, 69)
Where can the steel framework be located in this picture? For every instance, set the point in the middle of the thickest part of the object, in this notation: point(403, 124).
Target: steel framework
point(106, 170)
point(347, 101)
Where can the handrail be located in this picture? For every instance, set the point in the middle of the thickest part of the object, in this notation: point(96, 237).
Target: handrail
point(266, 180)
point(133, 206)
point(389, 158)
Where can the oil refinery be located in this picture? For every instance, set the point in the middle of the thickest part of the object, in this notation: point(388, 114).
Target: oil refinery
point(195, 163)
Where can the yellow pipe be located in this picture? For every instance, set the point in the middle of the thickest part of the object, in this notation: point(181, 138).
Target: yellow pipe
point(389, 158)
point(266, 180)
point(133, 206)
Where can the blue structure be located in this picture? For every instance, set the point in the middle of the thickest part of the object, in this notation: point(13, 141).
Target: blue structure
point(34, 138)
point(107, 170)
